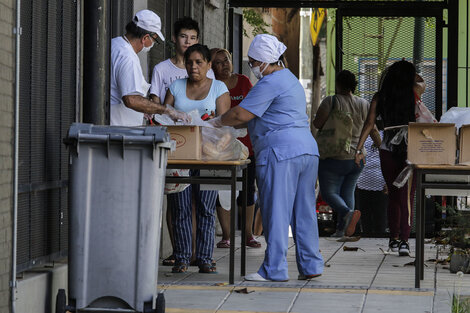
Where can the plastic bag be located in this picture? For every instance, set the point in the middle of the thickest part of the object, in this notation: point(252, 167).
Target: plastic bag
point(458, 116)
point(222, 144)
point(173, 188)
point(422, 113)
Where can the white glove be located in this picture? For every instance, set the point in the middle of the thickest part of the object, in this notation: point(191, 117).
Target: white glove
point(216, 122)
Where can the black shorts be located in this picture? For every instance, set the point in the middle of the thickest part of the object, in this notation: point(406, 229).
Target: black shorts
point(250, 196)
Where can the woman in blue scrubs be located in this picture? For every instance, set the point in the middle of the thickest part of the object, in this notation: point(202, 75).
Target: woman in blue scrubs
point(286, 161)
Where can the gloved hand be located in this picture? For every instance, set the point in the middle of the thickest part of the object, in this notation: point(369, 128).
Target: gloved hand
point(216, 122)
point(177, 115)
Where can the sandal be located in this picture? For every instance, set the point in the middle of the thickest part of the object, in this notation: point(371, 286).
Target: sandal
point(180, 268)
point(207, 268)
point(196, 263)
point(223, 244)
point(253, 243)
point(169, 261)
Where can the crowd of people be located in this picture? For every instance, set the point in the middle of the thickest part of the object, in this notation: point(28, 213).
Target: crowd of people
point(285, 158)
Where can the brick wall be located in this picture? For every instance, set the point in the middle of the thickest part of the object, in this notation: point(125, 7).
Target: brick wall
point(7, 21)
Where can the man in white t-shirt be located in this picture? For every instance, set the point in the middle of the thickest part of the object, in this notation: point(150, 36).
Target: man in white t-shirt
point(128, 86)
point(186, 34)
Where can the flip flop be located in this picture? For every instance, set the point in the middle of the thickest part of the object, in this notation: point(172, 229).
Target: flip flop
point(223, 244)
point(169, 261)
point(253, 243)
point(180, 268)
point(207, 268)
point(196, 263)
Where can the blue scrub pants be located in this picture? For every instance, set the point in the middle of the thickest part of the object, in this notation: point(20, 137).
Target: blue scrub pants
point(287, 196)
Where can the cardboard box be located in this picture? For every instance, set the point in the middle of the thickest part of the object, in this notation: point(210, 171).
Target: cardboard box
point(188, 142)
point(464, 145)
point(432, 143)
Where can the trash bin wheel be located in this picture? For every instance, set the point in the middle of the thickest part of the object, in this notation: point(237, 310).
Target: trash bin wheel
point(160, 305)
point(61, 301)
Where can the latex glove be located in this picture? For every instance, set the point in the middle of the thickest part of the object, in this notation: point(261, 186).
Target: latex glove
point(216, 122)
point(177, 115)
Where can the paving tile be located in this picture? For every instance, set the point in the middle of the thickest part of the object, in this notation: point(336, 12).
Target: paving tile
point(194, 299)
point(309, 302)
point(398, 303)
point(262, 301)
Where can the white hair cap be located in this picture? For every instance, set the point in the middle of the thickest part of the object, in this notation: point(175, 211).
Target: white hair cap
point(149, 21)
point(266, 48)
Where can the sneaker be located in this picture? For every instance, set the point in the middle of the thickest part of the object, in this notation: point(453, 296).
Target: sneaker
point(404, 248)
point(393, 245)
point(255, 277)
point(351, 220)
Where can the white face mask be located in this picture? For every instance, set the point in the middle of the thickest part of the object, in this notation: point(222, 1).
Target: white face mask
point(257, 72)
point(147, 49)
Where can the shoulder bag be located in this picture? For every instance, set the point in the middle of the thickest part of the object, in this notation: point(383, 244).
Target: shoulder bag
point(334, 138)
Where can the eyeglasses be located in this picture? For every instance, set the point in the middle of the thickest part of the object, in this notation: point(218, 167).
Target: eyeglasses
point(154, 37)
point(251, 63)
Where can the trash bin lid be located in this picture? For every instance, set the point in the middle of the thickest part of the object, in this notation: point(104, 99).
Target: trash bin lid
point(83, 132)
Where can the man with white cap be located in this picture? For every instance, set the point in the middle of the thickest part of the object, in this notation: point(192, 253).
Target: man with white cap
point(286, 161)
point(129, 88)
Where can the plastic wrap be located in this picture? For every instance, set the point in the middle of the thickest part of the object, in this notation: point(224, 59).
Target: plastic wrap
point(222, 144)
point(458, 116)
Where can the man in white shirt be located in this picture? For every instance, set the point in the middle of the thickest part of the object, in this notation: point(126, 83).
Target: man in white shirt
point(128, 86)
point(186, 34)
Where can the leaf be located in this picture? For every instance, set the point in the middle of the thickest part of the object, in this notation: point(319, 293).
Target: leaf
point(221, 284)
point(346, 248)
point(244, 291)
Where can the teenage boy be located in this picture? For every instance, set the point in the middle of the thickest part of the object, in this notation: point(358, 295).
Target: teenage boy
point(186, 34)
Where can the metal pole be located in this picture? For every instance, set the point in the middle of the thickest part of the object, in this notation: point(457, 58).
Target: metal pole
point(78, 67)
point(418, 43)
point(453, 54)
point(116, 25)
point(96, 55)
point(13, 283)
point(339, 41)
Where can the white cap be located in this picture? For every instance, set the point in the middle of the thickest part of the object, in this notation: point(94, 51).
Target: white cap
point(266, 48)
point(149, 21)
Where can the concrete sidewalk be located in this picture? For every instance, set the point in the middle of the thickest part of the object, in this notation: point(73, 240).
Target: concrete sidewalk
point(366, 280)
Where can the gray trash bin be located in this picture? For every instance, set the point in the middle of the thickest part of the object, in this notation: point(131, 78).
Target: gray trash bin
point(116, 193)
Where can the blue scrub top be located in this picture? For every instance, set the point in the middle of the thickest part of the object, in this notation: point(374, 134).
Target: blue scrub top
point(281, 122)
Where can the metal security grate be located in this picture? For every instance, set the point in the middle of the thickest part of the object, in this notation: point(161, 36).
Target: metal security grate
point(47, 108)
point(370, 44)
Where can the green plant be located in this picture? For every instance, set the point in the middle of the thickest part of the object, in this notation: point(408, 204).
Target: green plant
point(460, 304)
point(456, 227)
point(255, 19)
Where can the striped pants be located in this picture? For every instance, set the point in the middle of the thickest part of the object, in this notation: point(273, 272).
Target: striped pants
point(180, 204)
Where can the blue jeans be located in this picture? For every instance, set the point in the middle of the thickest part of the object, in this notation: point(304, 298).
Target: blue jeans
point(337, 184)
